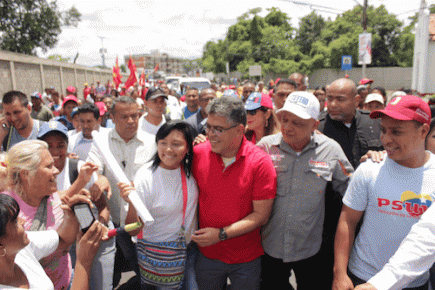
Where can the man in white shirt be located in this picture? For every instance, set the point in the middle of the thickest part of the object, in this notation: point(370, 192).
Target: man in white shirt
point(392, 195)
point(90, 119)
point(131, 148)
point(415, 256)
point(173, 108)
point(155, 103)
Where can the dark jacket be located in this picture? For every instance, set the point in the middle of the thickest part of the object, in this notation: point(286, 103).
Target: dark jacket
point(362, 136)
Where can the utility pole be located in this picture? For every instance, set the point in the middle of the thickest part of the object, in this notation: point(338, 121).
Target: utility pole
point(364, 23)
point(421, 78)
point(103, 51)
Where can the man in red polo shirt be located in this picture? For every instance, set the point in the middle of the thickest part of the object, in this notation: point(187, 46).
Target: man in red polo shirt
point(237, 186)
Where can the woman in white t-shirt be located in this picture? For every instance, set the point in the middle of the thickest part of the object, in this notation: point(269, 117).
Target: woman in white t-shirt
point(20, 251)
point(159, 184)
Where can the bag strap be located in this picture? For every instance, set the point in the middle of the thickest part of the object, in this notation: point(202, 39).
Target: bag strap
point(184, 185)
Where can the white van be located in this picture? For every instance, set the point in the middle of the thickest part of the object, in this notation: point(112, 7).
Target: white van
point(199, 83)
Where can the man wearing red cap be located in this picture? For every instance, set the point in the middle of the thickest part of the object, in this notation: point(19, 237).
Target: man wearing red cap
point(68, 104)
point(392, 195)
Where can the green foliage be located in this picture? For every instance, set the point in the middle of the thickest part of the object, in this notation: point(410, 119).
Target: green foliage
point(30, 24)
point(310, 28)
point(271, 42)
point(59, 58)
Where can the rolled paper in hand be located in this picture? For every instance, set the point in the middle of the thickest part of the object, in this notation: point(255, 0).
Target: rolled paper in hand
point(102, 144)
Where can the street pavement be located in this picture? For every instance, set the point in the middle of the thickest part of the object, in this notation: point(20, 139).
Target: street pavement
point(127, 275)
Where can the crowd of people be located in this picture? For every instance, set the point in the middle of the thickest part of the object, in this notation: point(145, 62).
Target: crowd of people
point(246, 184)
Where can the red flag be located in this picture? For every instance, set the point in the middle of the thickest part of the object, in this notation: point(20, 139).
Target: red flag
point(132, 79)
point(156, 68)
point(142, 78)
point(142, 83)
point(117, 77)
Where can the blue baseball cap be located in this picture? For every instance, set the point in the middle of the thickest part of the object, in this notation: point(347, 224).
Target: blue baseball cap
point(36, 95)
point(52, 126)
point(74, 112)
point(257, 100)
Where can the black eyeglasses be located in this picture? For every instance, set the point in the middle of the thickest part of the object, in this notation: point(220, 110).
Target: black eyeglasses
point(217, 130)
point(253, 112)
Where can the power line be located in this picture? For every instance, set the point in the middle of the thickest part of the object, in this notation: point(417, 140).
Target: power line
point(314, 5)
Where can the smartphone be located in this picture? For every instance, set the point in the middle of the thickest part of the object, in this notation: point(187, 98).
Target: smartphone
point(84, 215)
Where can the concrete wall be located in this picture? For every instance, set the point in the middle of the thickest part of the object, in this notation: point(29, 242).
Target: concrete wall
point(29, 74)
point(391, 78)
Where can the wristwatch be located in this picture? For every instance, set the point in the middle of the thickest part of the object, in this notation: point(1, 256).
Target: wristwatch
point(222, 235)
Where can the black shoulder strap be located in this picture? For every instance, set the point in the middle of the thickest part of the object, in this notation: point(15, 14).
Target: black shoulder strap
point(73, 170)
point(7, 141)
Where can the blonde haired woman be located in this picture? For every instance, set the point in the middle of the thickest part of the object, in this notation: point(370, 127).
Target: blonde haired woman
point(32, 179)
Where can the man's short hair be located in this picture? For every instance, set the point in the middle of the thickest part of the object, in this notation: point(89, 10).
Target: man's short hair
point(286, 81)
point(233, 109)
point(122, 100)
point(192, 89)
point(11, 96)
point(89, 108)
point(203, 91)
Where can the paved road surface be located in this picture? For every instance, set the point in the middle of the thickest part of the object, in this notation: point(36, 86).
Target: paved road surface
point(127, 275)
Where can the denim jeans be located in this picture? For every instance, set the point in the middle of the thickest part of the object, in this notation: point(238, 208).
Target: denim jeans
point(213, 274)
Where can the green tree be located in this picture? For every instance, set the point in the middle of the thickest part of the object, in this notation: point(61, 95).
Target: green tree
point(30, 24)
point(309, 31)
point(341, 36)
point(253, 41)
point(255, 30)
point(275, 17)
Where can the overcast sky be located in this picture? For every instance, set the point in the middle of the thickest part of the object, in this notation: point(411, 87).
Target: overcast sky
point(178, 28)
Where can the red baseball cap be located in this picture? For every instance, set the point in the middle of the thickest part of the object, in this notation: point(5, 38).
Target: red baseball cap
point(102, 107)
point(405, 108)
point(365, 81)
point(71, 89)
point(69, 98)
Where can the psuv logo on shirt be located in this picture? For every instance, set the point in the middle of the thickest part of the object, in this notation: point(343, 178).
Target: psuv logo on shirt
point(318, 164)
point(410, 203)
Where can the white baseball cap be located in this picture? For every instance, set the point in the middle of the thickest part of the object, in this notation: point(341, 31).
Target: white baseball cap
point(374, 98)
point(303, 104)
